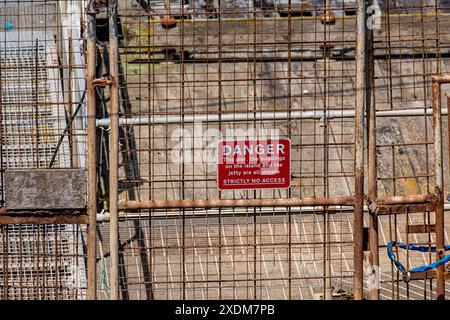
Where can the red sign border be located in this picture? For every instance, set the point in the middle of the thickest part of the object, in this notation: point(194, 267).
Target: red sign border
point(290, 162)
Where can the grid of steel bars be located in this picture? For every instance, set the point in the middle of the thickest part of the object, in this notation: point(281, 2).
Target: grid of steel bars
point(42, 101)
point(223, 73)
point(165, 81)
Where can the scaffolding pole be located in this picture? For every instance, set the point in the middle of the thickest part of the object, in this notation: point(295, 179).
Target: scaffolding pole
point(439, 182)
point(361, 79)
point(91, 151)
point(114, 149)
point(372, 163)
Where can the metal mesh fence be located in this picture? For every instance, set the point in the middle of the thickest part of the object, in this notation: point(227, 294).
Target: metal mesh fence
point(42, 262)
point(41, 93)
point(177, 81)
point(183, 76)
point(238, 71)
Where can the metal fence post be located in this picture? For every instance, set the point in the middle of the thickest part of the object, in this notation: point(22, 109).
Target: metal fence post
point(361, 64)
point(439, 181)
point(114, 149)
point(372, 159)
point(91, 151)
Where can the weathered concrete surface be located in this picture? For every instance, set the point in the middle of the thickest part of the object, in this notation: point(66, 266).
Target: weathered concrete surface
point(48, 189)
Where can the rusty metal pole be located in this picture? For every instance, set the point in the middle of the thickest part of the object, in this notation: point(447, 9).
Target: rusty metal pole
point(448, 130)
point(223, 203)
point(372, 165)
point(114, 149)
point(280, 202)
point(91, 151)
point(439, 181)
point(361, 64)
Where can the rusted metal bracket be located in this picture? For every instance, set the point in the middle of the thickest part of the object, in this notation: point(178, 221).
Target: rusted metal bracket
point(326, 48)
point(103, 82)
point(372, 204)
point(168, 22)
point(328, 18)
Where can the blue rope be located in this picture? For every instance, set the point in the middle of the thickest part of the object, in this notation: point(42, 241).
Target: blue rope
point(402, 245)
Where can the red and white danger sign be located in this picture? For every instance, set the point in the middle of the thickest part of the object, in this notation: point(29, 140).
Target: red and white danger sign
point(254, 164)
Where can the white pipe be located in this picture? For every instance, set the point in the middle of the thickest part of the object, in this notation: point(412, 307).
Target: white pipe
point(230, 117)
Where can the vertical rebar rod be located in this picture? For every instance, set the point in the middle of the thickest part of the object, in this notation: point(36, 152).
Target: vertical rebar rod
point(91, 151)
point(372, 162)
point(114, 149)
point(2, 192)
point(327, 248)
point(36, 99)
point(361, 63)
point(448, 131)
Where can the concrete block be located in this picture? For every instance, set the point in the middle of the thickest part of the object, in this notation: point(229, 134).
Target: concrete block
point(45, 189)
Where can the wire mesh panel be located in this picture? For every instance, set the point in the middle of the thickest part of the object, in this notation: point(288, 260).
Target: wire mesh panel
point(42, 109)
point(42, 262)
point(236, 71)
point(409, 53)
point(33, 112)
point(409, 50)
point(235, 254)
point(191, 75)
point(394, 227)
point(216, 76)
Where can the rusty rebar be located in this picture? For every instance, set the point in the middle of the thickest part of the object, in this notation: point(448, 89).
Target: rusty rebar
point(51, 219)
point(437, 81)
point(360, 104)
point(172, 92)
point(91, 54)
point(372, 158)
point(222, 203)
point(114, 149)
point(405, 200)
